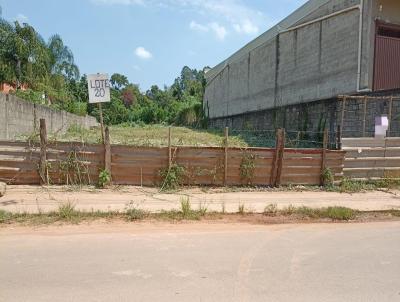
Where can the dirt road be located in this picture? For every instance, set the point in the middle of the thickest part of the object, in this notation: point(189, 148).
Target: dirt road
point(34, 199)
point(201, 262)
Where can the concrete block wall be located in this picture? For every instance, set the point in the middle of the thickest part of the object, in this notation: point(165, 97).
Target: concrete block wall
point(315, 116)
point(310, 117)
point(314, 62)
point(19, 117)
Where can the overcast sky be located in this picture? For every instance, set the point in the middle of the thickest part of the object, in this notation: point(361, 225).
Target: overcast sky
point(150, 40)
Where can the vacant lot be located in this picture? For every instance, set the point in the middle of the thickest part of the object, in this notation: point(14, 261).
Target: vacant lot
point(154, 135)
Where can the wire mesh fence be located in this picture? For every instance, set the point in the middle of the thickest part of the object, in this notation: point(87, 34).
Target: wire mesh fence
point(293, 139)
point(163, 136)
point(358, 115)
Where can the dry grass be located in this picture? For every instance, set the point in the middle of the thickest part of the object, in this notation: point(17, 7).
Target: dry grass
point(152, 136)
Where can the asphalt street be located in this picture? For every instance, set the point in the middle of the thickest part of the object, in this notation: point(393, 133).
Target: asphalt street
point(201, 262)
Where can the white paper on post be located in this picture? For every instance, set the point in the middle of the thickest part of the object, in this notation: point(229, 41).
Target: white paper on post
point(99, 88)
point(381, 126)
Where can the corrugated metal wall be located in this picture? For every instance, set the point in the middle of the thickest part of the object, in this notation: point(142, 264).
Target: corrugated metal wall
point(387, 63)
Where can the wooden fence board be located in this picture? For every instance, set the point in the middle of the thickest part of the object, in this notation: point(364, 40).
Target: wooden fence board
point(141, 165)
point(301, 179)
point(14, 144)
point(311, 162)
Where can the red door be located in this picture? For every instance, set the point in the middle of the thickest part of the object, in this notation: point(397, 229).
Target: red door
point(387, 57)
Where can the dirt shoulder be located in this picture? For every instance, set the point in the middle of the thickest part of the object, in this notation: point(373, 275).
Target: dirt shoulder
point(36, 199)
point(47, 224)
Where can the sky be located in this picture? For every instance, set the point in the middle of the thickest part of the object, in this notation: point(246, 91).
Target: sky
point(150, 41)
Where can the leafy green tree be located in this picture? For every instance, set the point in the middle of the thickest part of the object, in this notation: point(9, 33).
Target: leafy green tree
point(24, 54)
point(119, 81)
point(62, 59)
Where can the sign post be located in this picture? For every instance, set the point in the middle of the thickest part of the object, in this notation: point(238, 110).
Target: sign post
point(99, 92)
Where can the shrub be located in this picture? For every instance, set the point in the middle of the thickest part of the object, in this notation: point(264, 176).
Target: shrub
point(328, 178)
point(67, 211)
point(271, 210)
point(186, 207)
point(172, 177)
point(247, 168)
point(289, 210)
point(135, 214)
point(5, 216)
point(104, 178)
point(339, 213)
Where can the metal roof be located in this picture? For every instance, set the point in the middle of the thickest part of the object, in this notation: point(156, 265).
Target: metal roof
point(286, 23)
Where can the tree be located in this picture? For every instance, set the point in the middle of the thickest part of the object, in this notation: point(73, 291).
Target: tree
point(62, 59)
point(131, 95)
point(119, 81)
point(23, 52)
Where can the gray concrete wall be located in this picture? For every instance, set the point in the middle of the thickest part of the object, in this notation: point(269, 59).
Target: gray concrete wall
point(314, 62)
point(19, 117)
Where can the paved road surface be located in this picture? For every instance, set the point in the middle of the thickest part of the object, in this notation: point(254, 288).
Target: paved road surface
point(201, 262)
point(35, 199)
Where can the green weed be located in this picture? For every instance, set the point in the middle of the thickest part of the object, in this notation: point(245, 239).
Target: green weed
point(339, 213)
point(186, 207)
point(5, 216)
point(289, 210)
point(271, 210)
point(135, 214)
point(241, 209)
point(328, 178)
point(172, 177)
point(104, 178)
point(247, 168)
point(67, 211)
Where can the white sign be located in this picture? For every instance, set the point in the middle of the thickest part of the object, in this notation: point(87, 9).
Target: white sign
point(381, 126)
point(99, 88)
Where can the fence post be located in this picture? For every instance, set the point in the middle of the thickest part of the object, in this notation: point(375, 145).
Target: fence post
point(43, 153)
point(323, 156)
point(169, 149)
point(277, 163)
point(390, 115)
point(107, 151)
point(280, 158)
point(226, 145)
point(101, 121)
point(365, 115)
point(339, 138)
point(343, 112)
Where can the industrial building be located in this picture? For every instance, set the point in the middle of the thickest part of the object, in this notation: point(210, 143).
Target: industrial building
point(291, 76)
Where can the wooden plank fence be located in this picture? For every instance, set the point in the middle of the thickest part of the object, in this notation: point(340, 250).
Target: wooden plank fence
point(78, 163)
point(370, 158)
